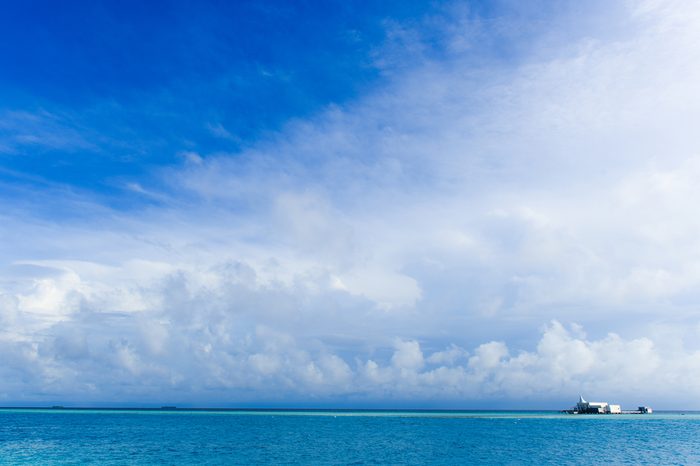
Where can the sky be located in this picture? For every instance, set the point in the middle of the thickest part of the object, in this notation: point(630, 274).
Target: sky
point(478, 204)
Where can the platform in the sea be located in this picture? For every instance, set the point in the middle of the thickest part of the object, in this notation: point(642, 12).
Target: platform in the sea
point(635, 411)
point(603, 407)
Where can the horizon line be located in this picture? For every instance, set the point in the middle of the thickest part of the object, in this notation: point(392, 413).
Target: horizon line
point(298, 409)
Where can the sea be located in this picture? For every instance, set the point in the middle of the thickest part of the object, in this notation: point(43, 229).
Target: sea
point(310, 437)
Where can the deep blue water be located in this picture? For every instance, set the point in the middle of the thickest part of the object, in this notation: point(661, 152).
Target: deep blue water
point(344, 437)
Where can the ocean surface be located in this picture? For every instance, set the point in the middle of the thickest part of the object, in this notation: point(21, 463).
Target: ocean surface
point(67, 436)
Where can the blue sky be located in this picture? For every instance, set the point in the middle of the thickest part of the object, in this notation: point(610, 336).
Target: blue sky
point(124, 87)
point(132, 84)
point(98, 97)
point(454, 204)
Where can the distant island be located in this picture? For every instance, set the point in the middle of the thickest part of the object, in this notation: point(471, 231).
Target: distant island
point(602, 407)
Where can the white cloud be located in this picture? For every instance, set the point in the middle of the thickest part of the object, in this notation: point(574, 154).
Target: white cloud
point(274, 365)
point(407, 356)
point(406, 245)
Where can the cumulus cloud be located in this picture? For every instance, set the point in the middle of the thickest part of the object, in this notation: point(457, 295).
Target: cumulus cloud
point(407, 245)
point(148, 358)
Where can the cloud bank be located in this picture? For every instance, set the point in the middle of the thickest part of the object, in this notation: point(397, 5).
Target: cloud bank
point(445, 238)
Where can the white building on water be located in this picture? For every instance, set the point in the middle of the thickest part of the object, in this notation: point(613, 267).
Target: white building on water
point(596, 407)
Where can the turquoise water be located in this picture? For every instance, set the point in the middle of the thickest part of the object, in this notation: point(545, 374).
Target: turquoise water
point(34, 436)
